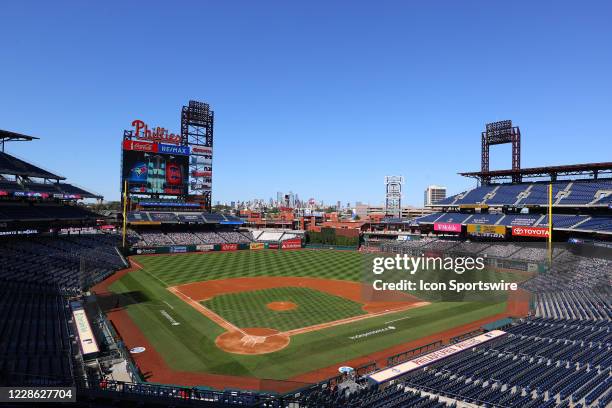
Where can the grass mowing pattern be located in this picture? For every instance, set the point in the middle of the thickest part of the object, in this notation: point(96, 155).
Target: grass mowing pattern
point(191, 346)
point(248, 309)
point(175, 270)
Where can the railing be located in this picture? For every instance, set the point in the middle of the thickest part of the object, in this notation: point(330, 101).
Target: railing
point(405, 355)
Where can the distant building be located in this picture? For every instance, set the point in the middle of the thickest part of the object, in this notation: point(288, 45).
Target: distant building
point(434, 194)
point(365, 211)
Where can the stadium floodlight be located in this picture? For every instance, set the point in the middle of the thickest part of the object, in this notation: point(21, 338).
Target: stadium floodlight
point(393, 195)
point(501, 132)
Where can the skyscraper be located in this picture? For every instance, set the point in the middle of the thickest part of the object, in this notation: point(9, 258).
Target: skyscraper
point(434, 194)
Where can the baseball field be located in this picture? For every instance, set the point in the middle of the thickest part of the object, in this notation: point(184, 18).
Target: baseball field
point(270, 314)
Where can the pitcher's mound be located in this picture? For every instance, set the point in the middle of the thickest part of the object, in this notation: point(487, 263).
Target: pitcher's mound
point(252, 341)
point(281, 306)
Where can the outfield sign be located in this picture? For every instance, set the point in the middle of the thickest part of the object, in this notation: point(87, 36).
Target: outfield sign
point(537, 232)
point(447, 227)
point(486, 230)
point(291, 243)
point(422, 361)
point(179, 249)
point(229, 247)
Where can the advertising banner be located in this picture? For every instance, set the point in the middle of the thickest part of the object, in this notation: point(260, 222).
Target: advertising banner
point(149, 251)
point(205, 247)
point(257, 245)
point(537, 232)
point(30, 194)
point(19, 232)
point(138, 146)
point(447, 227)
point(201, 173)
point(486, 230)
point(273, 246)
point(229, 247)
point(178, 249)
point(426, 359)
point(291, 243)
point(472, 206)
point(200, 186)
point(201, 151)
point(201, 160)
point(173, 149)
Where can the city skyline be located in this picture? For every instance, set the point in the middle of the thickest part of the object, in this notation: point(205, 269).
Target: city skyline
point(304, 94)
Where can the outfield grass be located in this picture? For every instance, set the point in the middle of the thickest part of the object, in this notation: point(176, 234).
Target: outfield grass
point(190, 346)
point(248, 309)
point(175, 270)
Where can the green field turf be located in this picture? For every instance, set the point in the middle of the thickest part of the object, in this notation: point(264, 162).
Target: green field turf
point(248, 309)
point(190, 346)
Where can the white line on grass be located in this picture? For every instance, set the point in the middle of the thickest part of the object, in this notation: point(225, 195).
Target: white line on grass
point(164, 284)
point(397, 320)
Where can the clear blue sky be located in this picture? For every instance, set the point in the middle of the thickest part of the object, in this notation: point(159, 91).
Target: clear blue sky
point(324, 98)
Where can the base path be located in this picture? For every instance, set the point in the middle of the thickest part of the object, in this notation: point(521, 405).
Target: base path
point(155, 368)
point(245, 341)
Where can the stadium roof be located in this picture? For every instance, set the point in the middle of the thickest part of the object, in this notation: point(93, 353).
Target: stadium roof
point(17, 167)
point(6, 136)
point(552, 171)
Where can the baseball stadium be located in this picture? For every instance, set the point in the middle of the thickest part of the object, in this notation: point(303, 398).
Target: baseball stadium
point(169, 303)
point(325, 204)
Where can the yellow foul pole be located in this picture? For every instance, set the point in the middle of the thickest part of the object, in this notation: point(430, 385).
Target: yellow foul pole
point(550, 224)
point(124, 212)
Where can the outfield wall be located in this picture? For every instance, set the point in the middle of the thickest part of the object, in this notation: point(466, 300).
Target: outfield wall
point(181, 249)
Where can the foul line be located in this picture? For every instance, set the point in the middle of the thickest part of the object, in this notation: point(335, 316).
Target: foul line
point(206, 311)
point(397, 320)
point(353, 319)
point(164, 284)
point(228, 326)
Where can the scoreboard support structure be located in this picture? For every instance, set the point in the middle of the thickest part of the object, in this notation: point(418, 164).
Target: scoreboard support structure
point(197, 123)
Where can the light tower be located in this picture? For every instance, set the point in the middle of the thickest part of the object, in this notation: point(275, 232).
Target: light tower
point(500, 133)
point(197, 120)
point(393, 196)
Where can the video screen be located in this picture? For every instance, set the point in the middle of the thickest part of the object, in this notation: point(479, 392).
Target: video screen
point(155, 173)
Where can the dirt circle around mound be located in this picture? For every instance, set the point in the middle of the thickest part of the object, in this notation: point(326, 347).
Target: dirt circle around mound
point(281, 306)
point(252, 341)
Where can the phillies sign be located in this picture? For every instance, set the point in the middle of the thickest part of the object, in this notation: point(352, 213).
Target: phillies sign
point(537, 232)
point(158, 134)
